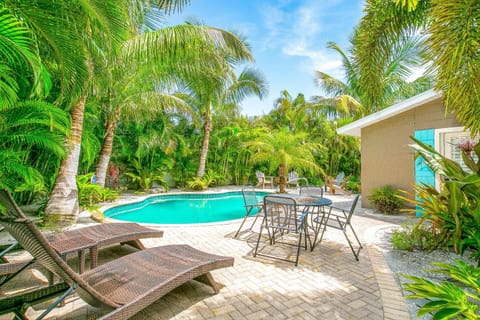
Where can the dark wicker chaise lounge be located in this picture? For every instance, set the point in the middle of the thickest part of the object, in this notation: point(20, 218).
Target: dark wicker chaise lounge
point(74, 241)
point(123, 286)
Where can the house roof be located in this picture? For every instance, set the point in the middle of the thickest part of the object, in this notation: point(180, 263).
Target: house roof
point(354, 128)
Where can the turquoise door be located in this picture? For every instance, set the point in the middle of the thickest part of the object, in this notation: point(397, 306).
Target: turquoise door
point(423, 174)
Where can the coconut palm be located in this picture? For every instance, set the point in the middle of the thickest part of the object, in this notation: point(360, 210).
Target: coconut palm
point(281, 149)
point(74, 35)
point(450, 48)
point(143, 94)
point(222, 90)
point(346, 98)
point(29, 126)
point(287, 112)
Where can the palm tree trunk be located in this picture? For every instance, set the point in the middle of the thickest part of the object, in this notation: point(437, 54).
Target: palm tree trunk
point(63, 208)
point(105, 152)
point(207, 128)
point(282, 170)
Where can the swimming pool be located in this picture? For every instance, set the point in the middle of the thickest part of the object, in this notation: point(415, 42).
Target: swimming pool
point(183, 208)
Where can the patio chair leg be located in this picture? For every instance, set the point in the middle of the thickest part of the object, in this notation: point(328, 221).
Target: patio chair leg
point(355, 252)
point(241, 225)
point(356, 237)
point(258, 241)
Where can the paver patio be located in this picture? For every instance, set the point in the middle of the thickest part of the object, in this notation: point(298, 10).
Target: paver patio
point(327, 284)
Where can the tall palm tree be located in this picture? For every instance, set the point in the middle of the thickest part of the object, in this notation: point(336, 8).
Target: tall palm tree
point(287, 112)
point(282, 149)
point(219, 90)
point(346, 98)
point(74, 35)
point(144, 94)
point(450, 46)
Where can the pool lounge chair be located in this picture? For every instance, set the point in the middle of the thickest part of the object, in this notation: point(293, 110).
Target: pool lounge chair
point(125, 285)
point(76, 241)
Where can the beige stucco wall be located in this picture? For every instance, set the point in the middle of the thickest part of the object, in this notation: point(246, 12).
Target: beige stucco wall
point(386, 156)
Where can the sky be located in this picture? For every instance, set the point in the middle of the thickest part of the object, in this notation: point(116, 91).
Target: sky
point(288, 39)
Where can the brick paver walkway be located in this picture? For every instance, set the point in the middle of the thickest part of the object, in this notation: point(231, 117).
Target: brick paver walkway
point(328, 283)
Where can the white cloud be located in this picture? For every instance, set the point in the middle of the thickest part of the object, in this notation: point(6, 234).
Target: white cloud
point(301, 33)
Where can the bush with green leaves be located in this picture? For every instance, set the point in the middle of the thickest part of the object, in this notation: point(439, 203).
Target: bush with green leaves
point(352, 184)
point(200, 184)
point(414, 237)
point(454, 209)
point(143, 178)
point(385, 199)
point(90, 194)
point(458, 297)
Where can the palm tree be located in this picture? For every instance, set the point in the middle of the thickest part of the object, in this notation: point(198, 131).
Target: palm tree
point(287, 112)
point(142, 95)
point(346, 99)
point(450, 48)
point(281, 149)
point(28, 126)
point(73, 36)
point(222, 91)
point(31, 128)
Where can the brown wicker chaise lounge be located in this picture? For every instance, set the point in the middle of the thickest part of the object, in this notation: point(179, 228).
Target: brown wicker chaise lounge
point(75, 241)
point(125, 285)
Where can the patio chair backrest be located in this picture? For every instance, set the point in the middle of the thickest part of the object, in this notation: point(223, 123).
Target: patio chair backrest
point(32, 240)
point(311, 191)
point(260, 176)
point(339, 178)
point(292, 175)
point(281, 213)
point(352, 208)
point(249, 196)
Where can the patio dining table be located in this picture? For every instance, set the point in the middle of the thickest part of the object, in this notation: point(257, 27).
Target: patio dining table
point(314, 206)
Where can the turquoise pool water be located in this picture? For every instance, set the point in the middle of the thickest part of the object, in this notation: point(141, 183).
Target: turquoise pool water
point(183, 208)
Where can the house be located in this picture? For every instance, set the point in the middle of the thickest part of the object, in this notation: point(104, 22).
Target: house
point(387, 158)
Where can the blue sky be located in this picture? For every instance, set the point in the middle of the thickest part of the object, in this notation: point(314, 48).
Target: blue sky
point(287, 37)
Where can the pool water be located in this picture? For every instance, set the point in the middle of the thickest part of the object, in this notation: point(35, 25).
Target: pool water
point(184, 208)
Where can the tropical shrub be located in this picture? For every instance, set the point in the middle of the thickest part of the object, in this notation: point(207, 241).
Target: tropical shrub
point(458, 297)
point(414, 237)
point(200, 183)
point(352, 184)
point(385, 199)
point(143, 178)
point(454, 210)
point(90, 194)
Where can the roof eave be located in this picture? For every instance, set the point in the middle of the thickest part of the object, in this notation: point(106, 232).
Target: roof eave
point(355, 128)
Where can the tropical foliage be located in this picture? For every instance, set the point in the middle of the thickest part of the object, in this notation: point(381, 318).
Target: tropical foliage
point(385, 199)
point(454, 211)
point(449, 45)
point(458, 297)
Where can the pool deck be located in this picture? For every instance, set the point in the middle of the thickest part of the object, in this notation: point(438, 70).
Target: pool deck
point(328, 283)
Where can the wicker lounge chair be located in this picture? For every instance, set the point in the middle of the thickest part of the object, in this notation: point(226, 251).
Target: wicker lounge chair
point(123, 286)
point(77, 240)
